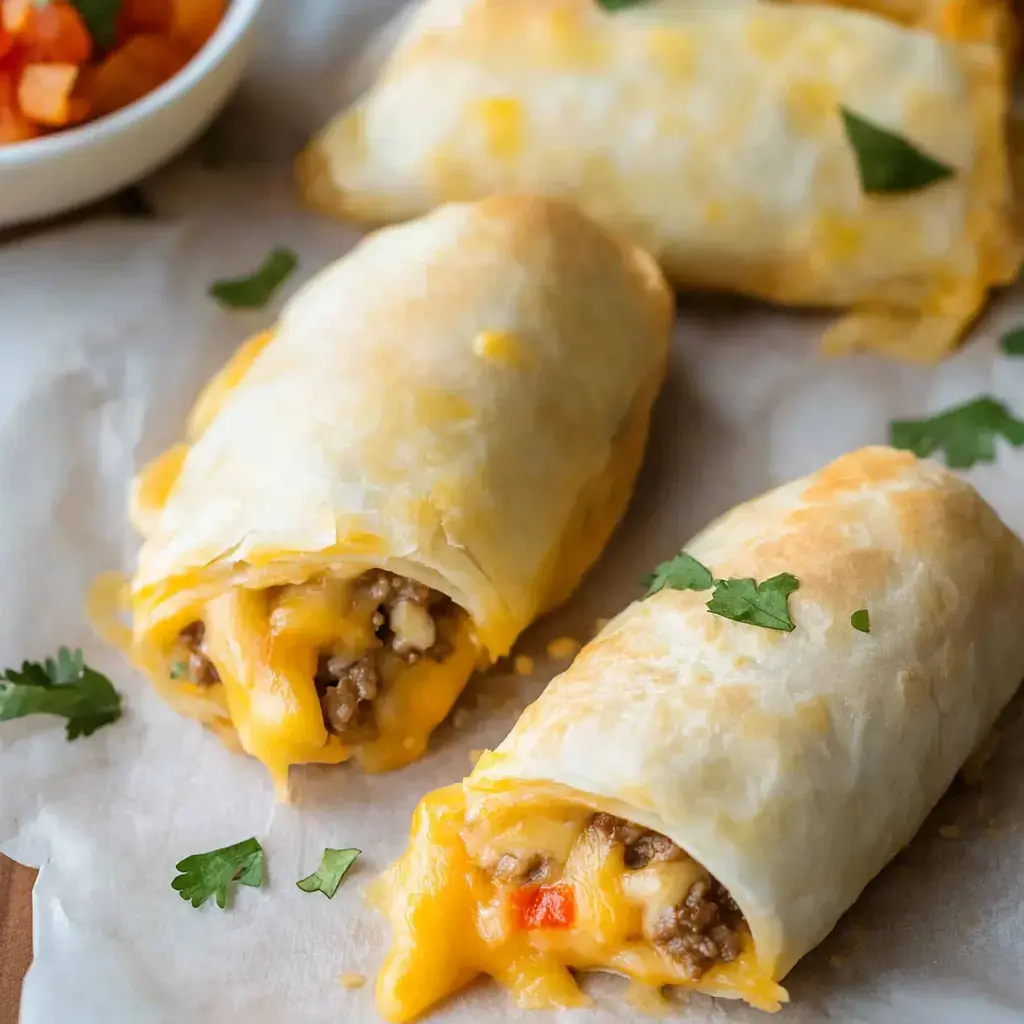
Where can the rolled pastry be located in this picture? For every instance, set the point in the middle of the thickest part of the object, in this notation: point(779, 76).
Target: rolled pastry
point(428, 450)
point(697, 799)
point(713, 134)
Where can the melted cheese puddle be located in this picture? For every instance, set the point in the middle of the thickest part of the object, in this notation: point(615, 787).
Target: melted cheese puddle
point(450, 922)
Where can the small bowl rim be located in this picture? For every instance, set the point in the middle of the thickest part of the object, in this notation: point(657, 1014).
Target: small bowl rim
point(236, 21)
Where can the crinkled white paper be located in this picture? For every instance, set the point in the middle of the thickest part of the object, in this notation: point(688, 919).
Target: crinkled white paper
point(106, 334)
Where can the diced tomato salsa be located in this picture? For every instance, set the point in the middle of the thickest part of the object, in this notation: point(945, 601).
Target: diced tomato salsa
point(544, 906)
point(54, 73)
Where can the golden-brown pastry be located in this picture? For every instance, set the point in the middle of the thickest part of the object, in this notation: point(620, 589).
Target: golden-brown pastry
point(698, 798)
point(716, 135)
point(426, 452)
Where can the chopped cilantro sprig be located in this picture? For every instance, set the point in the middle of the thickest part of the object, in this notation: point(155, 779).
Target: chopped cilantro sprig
point(334, 866)
point(212, 874)
point(742, 600)
point(63, 686)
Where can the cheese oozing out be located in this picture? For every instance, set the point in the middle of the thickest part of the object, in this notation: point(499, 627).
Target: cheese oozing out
point(317, 673)
point(582, 899)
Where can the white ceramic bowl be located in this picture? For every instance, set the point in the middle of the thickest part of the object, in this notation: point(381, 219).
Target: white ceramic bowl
point(73, 167)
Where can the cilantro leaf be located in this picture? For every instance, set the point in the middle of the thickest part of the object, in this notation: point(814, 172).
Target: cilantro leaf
point(619, 5)
point(861, 620)
point(63, 686)
point(887, 162)
point(683, 572)
point(1013, 342)
point(210, 874)
point(179, 670)
point(757, 604)
point(256, 290)
point(333, 867)
point(100, 17)
point(966, 433)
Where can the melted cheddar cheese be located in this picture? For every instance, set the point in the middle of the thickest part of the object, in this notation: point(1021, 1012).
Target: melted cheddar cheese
point(265, 647)
point(452, 922)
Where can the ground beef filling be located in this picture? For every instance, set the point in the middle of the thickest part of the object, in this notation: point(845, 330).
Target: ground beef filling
point(642, 845)
point(199, 669)
point(700, 931)
point(513, 870)
point(406, 625)
point(406, 629)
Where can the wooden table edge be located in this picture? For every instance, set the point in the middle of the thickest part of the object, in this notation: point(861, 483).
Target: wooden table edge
point(16, 882)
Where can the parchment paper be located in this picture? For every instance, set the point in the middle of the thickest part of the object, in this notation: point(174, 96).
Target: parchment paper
point(106, 333)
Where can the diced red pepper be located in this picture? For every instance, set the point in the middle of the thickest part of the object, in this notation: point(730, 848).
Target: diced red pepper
point(14, 125)
point(14, 15)
point(194, 21)
point(54, 34)
point(544, 906)
point(11, 62)
point(46, 95)
point(52, 75)
point(11, 57)
point(132, 71)
point(144, 17)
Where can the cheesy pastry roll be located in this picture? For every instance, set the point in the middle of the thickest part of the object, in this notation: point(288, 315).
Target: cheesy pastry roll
point(807, 154)
point(427, 451)
point(712, 783)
